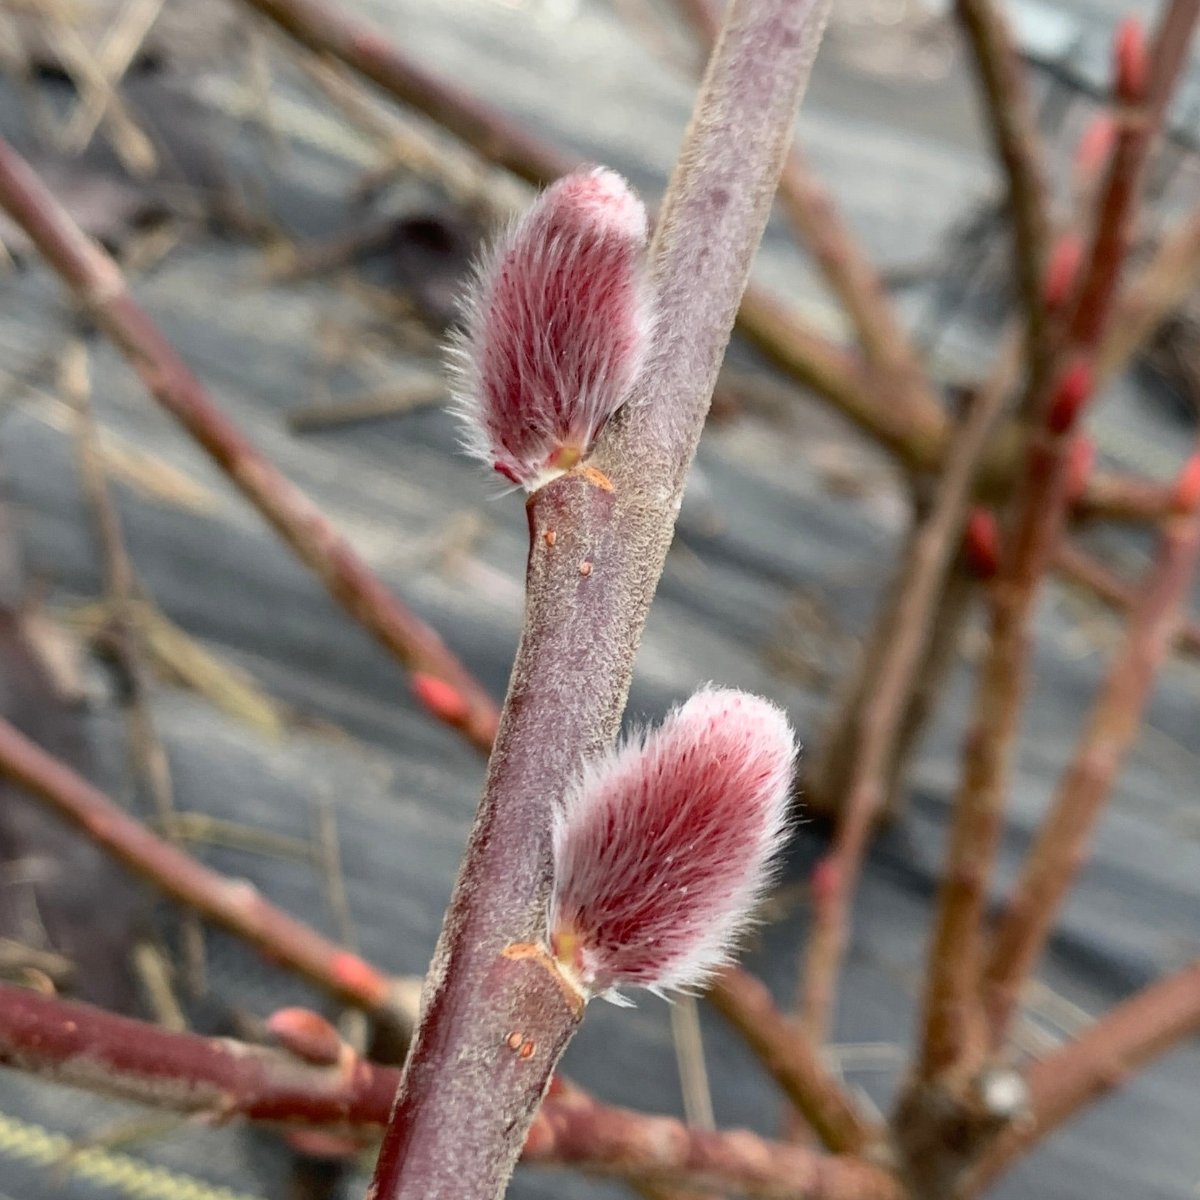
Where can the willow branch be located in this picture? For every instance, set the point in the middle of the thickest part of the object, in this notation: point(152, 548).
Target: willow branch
point(793, 1061)
point(1139, 118)
point(85, 1047)
point(1060, 847)
point(98, 285)
point(954, 1038)
point(233, 904)
point(589, 588)
point(1014, 131)
point(1103, 1059)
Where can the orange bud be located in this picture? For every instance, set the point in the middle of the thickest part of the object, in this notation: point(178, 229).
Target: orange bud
point(1061, 270)
point(1130, 61)
point(1094, 147)
point(306, 1034)
point(1186, 495)
point(1072, 392)
point(438, 697)
point(981, 541)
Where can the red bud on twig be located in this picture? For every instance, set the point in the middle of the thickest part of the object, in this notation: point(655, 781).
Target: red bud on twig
point(1061, 270)
point(306, 1034)
point(1186, 495)
point(981, 541)
point(1072, 392)
point(665, 845)
point(1094, 147)
point(556, 328)
point(1130, 61)
point(443, 700)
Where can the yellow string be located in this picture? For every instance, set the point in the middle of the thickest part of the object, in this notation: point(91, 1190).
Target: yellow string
point(136, 1179)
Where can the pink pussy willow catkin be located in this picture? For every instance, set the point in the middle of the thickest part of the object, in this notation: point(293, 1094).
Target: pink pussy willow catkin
point(556, 327)
point(666, 844)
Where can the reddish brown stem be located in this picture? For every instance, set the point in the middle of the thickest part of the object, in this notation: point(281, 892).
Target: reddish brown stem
point(793, 1061)
point(614, 1141)
point(1060, 848)
point(928, 558)
point(953, 1039)
point(1014, 131)
point(233, 904)
point(1122, 1042)
point(588, 591)
point(1077, 566)
point(1123, 498)
point(1139, 120)
point(97, 283)
point(85, 1047)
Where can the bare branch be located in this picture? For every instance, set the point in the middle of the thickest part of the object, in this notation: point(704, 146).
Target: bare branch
point(793, 1061)
point(928, 558)
point(97, 283)
point(1018, 145)
point(85, 1047)
point(233, 904)
point(1060, 848)
point(1123, 1041)
point(590, 586)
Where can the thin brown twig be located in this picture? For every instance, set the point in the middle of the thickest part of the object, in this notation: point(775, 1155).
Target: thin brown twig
point(1076, 565)
point(234, 904)
point(81, 1046)
point(793, 1061)
point(928, 558)
point(98, 285)
point(123, 632)
point(1018, 145)
point(1102, 1059)
point(1060, 847)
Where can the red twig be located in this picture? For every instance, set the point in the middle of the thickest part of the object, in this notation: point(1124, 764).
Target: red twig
point(1060, 848)
point(793, 1061)
point(98, 285)
point(1101, 1060)
point(85, 1047)
point(233, 904)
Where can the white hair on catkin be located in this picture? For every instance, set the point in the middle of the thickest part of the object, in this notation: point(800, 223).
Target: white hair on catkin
point(665, 845)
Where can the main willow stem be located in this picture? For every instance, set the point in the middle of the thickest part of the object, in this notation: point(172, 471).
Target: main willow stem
point(471, 1088)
